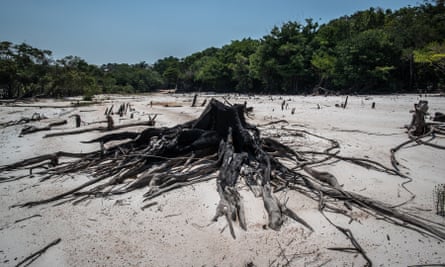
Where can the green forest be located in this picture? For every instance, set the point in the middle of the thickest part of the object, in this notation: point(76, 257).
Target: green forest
point(372, 51)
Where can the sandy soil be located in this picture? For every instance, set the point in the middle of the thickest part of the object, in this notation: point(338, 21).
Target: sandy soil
point(176, 232)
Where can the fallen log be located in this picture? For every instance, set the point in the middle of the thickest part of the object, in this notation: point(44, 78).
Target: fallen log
point(100, 128)
point(438, 116)
point(35, 117)
point(28, 129)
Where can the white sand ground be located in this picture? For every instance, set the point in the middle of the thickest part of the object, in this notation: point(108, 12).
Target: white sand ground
point(176, 232)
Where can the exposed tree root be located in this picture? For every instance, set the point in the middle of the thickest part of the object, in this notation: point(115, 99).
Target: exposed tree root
point(348, 233)
point(418, 130)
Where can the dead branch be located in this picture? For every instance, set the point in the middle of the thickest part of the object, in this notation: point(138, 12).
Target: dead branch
point(27, 218)
point(273, 122)
point(31, 258)
point(146, 206)
point(350, 236)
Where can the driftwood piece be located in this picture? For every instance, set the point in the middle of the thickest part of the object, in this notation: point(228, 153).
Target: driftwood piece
point(28, 129)
point(146, 206)
point(31, 258)
point(27, 218)
point(35, 117)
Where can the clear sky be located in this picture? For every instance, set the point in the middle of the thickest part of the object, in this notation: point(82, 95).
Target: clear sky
point(131, 31)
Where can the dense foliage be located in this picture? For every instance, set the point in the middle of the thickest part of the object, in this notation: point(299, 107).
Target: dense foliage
point(371, 51)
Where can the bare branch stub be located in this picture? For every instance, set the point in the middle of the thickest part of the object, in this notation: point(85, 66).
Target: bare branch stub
point(418, 126)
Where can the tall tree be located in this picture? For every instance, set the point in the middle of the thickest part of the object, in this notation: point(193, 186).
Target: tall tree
point(169, 68)
point(367, 61)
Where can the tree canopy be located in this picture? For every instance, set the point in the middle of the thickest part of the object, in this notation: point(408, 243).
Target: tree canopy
point(370, 51)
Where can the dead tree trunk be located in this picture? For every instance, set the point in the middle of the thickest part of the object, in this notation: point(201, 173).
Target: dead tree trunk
point(77, 120)
point(438, 116)
point(195, 97)
point(346, 102)
point(418, 125)
point(110, 122)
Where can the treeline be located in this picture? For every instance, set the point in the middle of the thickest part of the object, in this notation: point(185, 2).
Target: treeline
point(371, 51)
point(26, 71)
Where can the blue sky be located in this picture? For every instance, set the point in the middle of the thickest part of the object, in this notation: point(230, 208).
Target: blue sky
point(131, 31)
